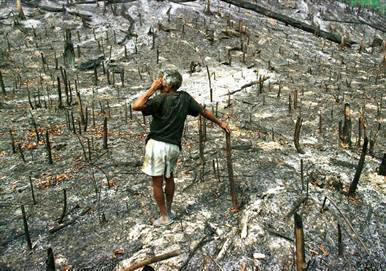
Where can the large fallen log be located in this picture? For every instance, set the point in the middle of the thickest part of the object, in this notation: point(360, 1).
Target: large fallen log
point(290, 21)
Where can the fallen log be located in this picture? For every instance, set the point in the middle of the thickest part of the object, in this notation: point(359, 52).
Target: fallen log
point(380, 28)
point(289, 21)
point(152, 260)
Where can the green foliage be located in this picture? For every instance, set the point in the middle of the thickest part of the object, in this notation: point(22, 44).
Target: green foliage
point(377, 5)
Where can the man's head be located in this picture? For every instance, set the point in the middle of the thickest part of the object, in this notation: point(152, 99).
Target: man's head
point(172, 80)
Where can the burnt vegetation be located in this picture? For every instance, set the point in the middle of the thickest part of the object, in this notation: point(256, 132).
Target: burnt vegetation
point(299, 184)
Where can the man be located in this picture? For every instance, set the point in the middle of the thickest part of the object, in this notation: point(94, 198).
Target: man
point(169, 110)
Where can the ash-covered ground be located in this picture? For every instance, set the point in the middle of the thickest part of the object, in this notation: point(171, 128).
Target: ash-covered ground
point(109, 202)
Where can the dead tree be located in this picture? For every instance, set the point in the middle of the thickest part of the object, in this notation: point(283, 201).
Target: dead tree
point(288, 20)
point(69, 52)
point(298, 127)
point(359, 168)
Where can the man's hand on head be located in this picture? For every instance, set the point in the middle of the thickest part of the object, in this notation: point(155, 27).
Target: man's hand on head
point(156, 85)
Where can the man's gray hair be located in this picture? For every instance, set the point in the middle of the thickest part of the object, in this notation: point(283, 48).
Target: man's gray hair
point(173, 78)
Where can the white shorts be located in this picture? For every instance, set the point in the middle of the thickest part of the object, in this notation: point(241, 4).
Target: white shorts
point(160, 158)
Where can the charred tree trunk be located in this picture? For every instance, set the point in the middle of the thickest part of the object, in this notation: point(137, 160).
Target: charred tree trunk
point(359, 168)
point(288, 21)
point(50, 260)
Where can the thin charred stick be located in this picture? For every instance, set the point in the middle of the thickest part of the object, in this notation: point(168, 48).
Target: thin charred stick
point(153, 40)
point(361, 125)
point(81, 112)
point(108, 77)
point(73, 122)
point(157, 55)
point(126, 113)
point(50, 260)
point(295, 99)
point(29, 98)
point(125, 51)
point(12, 141)
point(56, 62)
point(299, 241)
point(105, 134)
point(35, 128)
point(64, 206)
point(210, 84)
point(347, 125)
point(89, 149)
point(86, 119)
point(2, 84)
point(59, 93)
point(324, 203)
point(21, 152)
point(43, 62)
point(48, 147)
point(123, 78)
point(373, 139)
point(235, 204)
point(279, 92)
point(340, 245)
point(302, 173)
point(320, 123)
point(79, 126)
point(359, 168)
point(95, 75)
point(298, 127)
point(26, 230)
point(201, 140)
point(289, 103)
point(131, 112)
point(93, 114)
point(32, 190)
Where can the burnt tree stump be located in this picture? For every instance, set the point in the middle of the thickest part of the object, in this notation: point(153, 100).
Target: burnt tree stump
point(299, 242)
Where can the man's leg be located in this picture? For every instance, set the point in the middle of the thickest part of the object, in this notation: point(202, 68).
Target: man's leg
point(159, 197)
point(169, 191)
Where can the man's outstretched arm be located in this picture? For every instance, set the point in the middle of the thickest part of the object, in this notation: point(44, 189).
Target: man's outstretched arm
point(140, 103)
point(209, 115)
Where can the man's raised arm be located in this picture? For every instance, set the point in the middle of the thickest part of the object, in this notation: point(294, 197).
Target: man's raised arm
point(140, 103)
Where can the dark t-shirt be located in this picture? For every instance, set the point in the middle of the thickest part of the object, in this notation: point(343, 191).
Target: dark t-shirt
point(169, 111)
